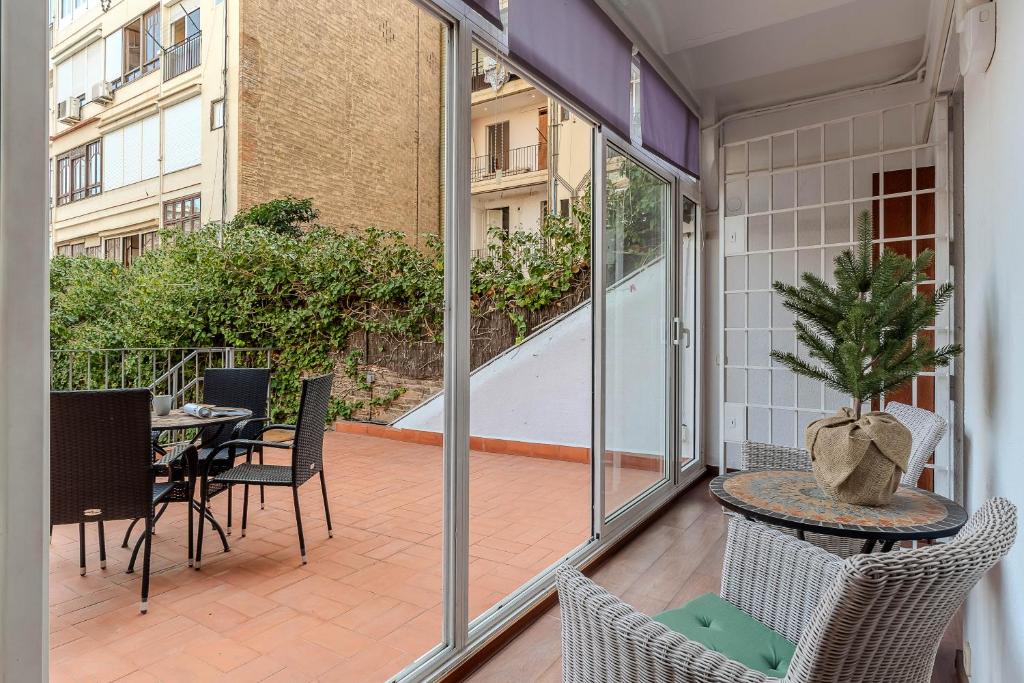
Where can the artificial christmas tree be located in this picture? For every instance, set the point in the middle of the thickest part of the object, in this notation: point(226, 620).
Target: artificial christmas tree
point(862, 338)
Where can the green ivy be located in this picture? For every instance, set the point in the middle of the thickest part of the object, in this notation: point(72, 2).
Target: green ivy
point(275, 278)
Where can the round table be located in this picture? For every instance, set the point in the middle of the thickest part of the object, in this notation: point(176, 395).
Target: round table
point(792, 499)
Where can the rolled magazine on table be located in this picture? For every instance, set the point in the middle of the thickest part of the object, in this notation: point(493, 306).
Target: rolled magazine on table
point(199, 410)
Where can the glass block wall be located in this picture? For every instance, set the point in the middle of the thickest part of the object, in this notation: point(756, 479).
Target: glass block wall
point(790, 205)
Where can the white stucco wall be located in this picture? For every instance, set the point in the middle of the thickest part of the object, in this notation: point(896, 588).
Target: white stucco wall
point(994, 322)
point(539, 391)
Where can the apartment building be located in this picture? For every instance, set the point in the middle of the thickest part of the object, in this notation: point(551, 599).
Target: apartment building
point(178, 113)
point(531, 155)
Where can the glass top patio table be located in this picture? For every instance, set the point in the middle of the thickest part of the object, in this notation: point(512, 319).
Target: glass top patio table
point(793, 499)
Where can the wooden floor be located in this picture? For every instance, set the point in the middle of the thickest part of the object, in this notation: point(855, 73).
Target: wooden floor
point(677, 558)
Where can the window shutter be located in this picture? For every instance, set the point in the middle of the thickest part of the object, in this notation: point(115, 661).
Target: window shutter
point(114, 51)
point(132, 153)
point(79, 75)
point(64, 80)
point(113, 160)
point(182, 135)
point(151, 147)
point(667, 126)
point(94, 66)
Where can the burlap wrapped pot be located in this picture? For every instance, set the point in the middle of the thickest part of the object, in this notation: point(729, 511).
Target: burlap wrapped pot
point(859, 461)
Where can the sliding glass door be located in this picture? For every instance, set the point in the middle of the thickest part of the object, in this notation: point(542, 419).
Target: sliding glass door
point(637, 364)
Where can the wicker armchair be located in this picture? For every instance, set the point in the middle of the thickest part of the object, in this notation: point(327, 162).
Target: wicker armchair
point(926, 428)
point(866, 619)
point(307, 450)
point(101, 462)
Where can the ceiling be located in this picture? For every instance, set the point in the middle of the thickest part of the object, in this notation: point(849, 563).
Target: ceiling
point(740, 54)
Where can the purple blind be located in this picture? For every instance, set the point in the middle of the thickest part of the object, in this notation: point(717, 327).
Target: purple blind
point(668, 127)
point(576, 46)
point(488, 9)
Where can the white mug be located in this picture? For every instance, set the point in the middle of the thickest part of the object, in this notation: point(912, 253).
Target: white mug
point(162, 404)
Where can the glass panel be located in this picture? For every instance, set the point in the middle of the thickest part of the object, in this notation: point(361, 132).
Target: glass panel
point(530, 399)
point(783, 154)
point(808, 145)
point(636, 329)
point(837, 140)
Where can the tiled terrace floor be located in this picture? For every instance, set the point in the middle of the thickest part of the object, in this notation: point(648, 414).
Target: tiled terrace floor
point(366, 605)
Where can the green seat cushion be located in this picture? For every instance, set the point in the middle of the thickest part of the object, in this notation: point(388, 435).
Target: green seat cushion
point(720, 626)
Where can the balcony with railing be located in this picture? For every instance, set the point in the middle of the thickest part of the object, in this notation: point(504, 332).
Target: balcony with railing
point(183, 56)
point(513, 162)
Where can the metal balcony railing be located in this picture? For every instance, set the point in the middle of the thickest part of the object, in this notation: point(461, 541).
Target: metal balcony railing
point(517, 160)
point(183, 57)
point(174, 371)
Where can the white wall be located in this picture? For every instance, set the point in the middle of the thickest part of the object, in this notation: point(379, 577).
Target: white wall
point(539, 391)
point(994, 324)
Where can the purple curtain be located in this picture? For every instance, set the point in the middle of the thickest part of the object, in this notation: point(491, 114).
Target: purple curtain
point(573, 44)
point(668, 127)
point(488, 9)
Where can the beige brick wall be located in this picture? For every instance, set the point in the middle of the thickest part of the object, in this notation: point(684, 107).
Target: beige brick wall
point(340, 100)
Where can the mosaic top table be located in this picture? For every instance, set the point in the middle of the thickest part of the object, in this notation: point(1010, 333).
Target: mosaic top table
point(792, 499)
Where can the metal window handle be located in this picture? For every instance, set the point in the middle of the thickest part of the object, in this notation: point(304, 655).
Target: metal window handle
point(678, 332)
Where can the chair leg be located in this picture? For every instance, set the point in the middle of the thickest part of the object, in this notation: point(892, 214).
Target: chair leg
point(262, 499)
point(230, 496)
point(202, 518)
point(327, 507)
point(298, 523)
point(148, 535)
point(190, 504)
point(128, 532)
point(158, 515)
point(103, 545)
point(216, 527)
point(81, 548)
point(245, 507)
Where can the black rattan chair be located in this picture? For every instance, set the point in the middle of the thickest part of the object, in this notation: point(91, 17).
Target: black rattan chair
point(235, 387)
point(101, 462)
point(307, 449)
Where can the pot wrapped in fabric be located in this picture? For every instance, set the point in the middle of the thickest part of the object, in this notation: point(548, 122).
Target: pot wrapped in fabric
point(859, 461)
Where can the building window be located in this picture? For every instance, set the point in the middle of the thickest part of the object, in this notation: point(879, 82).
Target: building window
point(141, 47)
point(185, 27)
point(112, 249)
point(94, 251)
point(183, 214)
point(72, 250)
point(498, 219)
point(131, 249)
point(217, 114)
point(150, 241)
point(79, 172)
point(563, 208)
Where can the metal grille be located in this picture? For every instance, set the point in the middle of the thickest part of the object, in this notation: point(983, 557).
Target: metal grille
point(790, 204)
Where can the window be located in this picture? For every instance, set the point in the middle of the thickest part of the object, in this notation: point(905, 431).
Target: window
point(497, 146)
point(140, 44)
point(132, 153)
point(150, 241)
point(563, 208)
point(498, 219)
point(79, 172)
point(65, 8)
point(183, 131)
point(93, 251)
point(131, 249)
point(76, 249)
point(185, 27)
point(183, 213)
point(112, 248)
point(217, 114)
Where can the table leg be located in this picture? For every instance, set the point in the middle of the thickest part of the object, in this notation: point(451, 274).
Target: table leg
point(800, 534)
point(887, 546)
point(869, 545)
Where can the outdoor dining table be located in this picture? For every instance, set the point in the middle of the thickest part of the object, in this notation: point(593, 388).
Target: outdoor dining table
point(177, 420)
point(792, 499)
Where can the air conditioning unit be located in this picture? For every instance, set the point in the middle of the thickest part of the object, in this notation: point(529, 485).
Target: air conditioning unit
point(102, 92)
point(69, 111)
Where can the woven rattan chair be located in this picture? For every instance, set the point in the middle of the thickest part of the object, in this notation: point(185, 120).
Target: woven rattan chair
point(101, 462)
point(866, 619)
point(235, 387)
point(926, 429)
point(307, 449)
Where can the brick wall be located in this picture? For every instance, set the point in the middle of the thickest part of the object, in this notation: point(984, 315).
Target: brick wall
point(341, 101)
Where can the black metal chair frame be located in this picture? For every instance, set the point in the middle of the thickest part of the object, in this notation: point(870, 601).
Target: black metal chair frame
point(307, 460)
point(101, 465)
point(239, 387)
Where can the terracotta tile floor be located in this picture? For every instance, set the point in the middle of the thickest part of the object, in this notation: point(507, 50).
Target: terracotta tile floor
point(366, 605)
